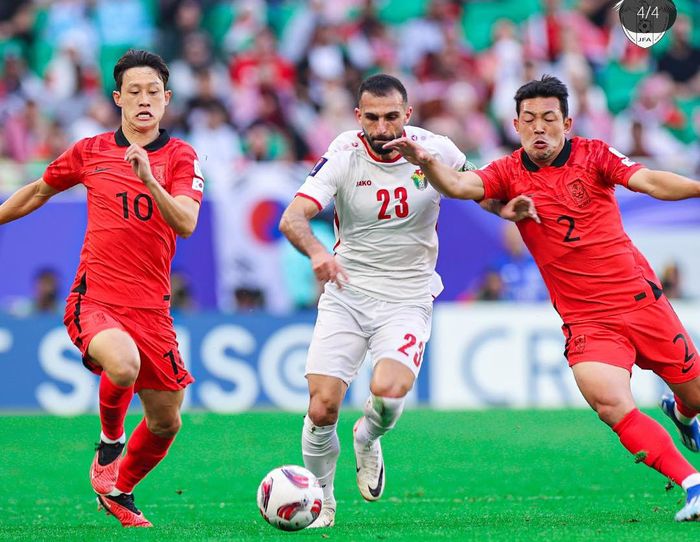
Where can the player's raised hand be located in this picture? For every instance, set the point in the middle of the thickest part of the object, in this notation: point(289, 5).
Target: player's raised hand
point(139, 162)
point(410, 150)
point(518, 208)
point(326, 269)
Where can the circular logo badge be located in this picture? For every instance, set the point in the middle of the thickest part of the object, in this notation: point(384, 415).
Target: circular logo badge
point(647, 16)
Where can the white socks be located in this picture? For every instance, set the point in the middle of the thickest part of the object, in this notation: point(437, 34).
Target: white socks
point(320, 448)
point(106, 440)
point(683, 419)
point(690, 481)
point(381, 415)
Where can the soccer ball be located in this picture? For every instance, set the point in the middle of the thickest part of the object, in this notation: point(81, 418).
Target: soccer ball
point(290, 498)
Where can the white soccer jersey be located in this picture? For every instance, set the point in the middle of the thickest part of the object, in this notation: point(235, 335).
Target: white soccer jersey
point(385, 215)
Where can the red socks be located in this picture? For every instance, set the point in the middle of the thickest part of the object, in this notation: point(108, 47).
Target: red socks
point(114, 402)
point(641, 434)
point(143, 452)
point(684, 410)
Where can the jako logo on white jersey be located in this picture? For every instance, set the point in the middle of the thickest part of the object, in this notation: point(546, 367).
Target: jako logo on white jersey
point(364, 182)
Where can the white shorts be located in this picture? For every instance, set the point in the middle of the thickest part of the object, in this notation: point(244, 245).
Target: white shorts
point(350, 323)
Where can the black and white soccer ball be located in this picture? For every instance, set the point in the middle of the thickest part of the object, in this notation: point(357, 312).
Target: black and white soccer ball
point(290, 498)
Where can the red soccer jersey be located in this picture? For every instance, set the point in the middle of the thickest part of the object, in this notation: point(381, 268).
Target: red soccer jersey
point(128, 246)
point(589, 264)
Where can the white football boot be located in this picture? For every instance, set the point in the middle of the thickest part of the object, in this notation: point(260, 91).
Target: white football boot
point(326, 518)
point(370, 468)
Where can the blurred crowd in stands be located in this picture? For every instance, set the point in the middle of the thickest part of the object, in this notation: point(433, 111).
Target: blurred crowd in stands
point(257, 80)
point(274, 80)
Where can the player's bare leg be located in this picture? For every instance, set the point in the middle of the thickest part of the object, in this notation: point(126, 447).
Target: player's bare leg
point(115, 351)
point(390, 383)
point(148, 445)
point(319, 439)
point(607, 390)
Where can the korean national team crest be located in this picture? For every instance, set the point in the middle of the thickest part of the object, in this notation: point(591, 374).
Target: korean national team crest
point(419, 179)
point(578, 193)
point(646, 21)
point(159, 173)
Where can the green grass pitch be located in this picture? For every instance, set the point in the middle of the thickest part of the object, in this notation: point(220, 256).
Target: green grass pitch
point(489, 475)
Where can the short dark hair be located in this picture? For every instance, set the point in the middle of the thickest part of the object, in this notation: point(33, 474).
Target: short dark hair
point(135, 58)
point(382, 85)
point(547, 87)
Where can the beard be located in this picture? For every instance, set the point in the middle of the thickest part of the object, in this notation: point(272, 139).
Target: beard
point(377, 145)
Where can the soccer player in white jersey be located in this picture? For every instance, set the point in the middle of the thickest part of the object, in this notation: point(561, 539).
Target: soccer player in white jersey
point(380, 283)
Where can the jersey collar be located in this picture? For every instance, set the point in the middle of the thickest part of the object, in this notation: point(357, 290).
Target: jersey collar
point(559, 161)
point(157, 144)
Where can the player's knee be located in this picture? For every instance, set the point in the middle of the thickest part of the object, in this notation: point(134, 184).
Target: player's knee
point(166, 427)
point(613, 412)
point(123, 373)
point(323, 411)
point(391, 388)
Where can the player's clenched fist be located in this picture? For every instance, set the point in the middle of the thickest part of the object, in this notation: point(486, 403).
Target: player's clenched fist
point(518, 208)
point(326, 269)
point(139, 162)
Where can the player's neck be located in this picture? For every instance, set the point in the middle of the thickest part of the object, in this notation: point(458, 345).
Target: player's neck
point(140, 138)
point(391, 157)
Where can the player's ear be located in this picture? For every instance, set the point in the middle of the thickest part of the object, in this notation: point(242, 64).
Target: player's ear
point(117, 97)
point(516, 125)
point(168, 95)
point(568, 124)
point(358, 114)
point(409, 112)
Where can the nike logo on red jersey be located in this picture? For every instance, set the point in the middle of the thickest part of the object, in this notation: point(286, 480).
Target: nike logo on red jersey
point(98, 170)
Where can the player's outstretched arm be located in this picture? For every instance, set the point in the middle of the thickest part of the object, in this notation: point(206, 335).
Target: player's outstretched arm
point(664, 185)
point(451, 183)
point(180, 212)
point(294, 224)
point(25, 200)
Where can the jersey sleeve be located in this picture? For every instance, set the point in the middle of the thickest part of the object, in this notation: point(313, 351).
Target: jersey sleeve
point(495, 179)
point(187, 177)
point(322, 183)
point(452, 156)
point(66, 170)
point(613, 166)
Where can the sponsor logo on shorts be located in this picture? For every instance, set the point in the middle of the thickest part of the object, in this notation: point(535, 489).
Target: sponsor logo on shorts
point(578, 344)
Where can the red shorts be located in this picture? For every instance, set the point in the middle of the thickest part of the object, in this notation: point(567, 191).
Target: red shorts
point(151, 329)
point(652, 337)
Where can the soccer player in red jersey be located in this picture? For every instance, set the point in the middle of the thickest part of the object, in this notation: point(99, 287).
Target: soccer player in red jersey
point(614, 311)
point(143, 189)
